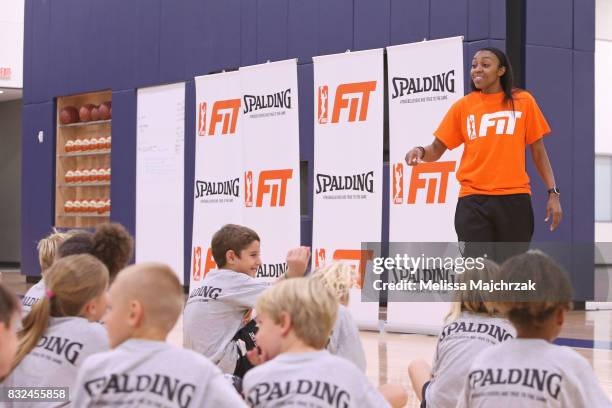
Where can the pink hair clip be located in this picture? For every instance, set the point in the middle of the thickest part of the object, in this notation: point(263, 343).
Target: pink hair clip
point(50, 293)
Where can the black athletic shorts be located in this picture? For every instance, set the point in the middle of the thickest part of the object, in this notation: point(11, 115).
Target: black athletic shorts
point(484, 219)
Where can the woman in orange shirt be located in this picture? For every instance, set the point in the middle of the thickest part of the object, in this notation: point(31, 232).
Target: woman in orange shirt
point(495, 123)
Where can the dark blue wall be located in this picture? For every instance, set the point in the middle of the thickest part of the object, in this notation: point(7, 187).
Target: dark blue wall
point(75, 46)
point(560, 38)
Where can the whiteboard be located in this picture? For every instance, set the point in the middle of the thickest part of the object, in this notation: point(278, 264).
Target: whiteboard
point(160, 147)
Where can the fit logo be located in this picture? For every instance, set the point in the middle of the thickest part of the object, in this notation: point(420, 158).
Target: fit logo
point(271, 183)
point(356, 258)
point(354, 96)
point(322, 111)
point(224, 113)
point(503, 121)
point(398, 183)
point(209, 263)
point(434, 178)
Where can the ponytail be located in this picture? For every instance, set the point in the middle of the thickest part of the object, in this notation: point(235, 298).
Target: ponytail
point(71, 283)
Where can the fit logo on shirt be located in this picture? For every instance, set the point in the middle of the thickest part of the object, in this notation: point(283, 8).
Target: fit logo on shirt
point(299, 391)
point(271, 183)
point(532, 378)
point(177, 392)
point(63, 347)
point(352, 96)
point(431, 176)
point(356, 258)
point(224, 113)
point(504, 123)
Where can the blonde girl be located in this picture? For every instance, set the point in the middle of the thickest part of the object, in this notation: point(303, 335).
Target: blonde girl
point(62, 329)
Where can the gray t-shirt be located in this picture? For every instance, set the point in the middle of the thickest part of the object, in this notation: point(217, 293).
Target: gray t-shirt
point(152, 373)
point(214, 313)
point(458, 345)
point(345, 341)
point(33, 295)
point(531, 373)
point(313, 379)
point(59, 354)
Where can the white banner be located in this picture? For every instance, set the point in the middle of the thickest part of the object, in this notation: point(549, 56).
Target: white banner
point(218, 165)
point(271, 160)
point(160, 157)
point(348, 160)
point(424, 80)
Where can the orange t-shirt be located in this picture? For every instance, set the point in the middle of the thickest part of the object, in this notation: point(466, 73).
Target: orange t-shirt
point(493, 161)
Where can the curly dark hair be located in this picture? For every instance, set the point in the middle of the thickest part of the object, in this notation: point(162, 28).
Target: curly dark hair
point(111, 243)
point(114, 246)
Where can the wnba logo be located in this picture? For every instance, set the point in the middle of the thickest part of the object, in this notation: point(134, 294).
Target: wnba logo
point(353, 96)
point(322, 111)
point(248, 188)
point(319, 258)
point(202, 119)
point(398, 183)
point(224, 113)
point(196, 271)
point(270, 182)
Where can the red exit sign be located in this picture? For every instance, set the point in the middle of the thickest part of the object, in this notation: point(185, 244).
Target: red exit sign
point(5, 73)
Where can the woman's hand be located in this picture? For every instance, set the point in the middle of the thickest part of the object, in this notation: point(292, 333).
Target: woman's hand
point(553, 209)
point(430, 153)
point(414, 156)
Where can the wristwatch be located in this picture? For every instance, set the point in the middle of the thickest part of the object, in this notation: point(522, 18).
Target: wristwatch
point(554, 190)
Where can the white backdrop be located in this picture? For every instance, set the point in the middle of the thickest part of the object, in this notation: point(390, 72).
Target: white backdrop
point(160, 167)
point(348, 153)
point(218, 165)
point(247, 162)
point(271, 135)
point(424, 79)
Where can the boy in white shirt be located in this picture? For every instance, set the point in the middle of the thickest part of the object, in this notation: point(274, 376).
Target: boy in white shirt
point(216, 320)
point(531, 371)
point(142, 369)
point(295, 319)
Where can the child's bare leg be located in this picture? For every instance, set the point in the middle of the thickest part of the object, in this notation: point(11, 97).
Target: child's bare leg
point(419, 372)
